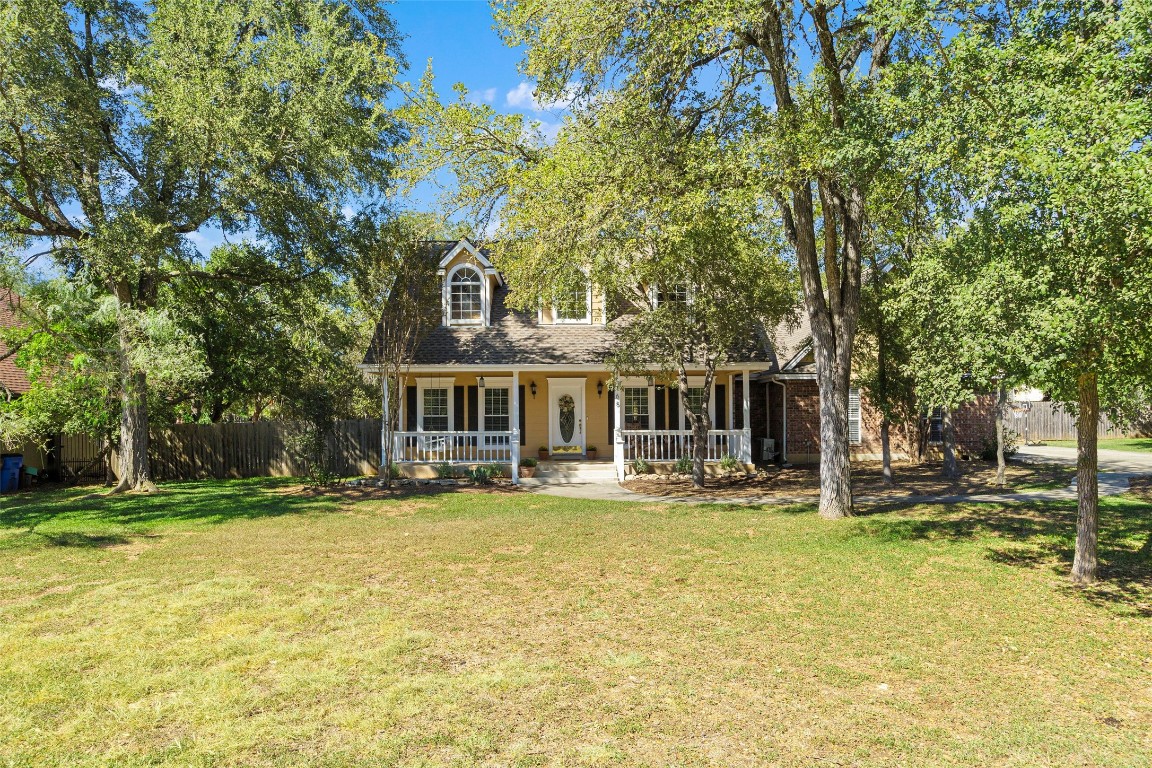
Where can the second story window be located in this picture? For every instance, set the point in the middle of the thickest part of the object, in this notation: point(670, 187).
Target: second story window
point(465, 296)
point(573, 306)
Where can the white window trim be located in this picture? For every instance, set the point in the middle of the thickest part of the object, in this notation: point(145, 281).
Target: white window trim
point(439, 382)
point(650, 389)
point(484, 297)
point(494, 382)
point(654, 294)
point(586, 320)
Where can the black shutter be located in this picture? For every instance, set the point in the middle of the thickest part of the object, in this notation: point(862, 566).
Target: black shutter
point(473, 409)
point(458, 405)
point(721, 407)
point(520, 396)
point(612, 413)
point(410, 410)
point(674, 409)
point(660, 414)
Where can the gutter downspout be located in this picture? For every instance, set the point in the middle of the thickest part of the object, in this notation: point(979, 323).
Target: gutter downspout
point(783, 421)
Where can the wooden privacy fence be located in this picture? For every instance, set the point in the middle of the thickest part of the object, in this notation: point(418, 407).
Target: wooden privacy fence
point(259, 449)
point(1050, 421)
point(244, 449)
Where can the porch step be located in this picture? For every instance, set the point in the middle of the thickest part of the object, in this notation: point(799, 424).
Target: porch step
point(572, 472)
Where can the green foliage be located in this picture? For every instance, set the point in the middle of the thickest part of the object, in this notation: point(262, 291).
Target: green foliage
point(683, 465)
point(481, 475)
point(988, 445)
point(444, 470)
point(730, 463)
point(528, 461)
point(641, 467)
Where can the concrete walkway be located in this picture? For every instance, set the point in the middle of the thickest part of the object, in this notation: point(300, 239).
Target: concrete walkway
point(1116, 467)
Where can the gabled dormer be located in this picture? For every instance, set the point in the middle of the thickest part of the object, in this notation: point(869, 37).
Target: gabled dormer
point(468, 280)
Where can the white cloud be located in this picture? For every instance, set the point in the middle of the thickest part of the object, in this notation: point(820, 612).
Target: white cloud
point(347, 212)
point(523, 96)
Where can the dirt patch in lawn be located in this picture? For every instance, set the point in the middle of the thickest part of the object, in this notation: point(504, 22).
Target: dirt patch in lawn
point(867, 480)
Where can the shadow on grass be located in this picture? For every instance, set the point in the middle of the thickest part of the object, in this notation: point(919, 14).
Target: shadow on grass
point(197, 502)
point(1039, 535)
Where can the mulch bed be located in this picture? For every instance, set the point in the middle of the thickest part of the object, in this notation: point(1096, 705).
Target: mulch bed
point(867, 480)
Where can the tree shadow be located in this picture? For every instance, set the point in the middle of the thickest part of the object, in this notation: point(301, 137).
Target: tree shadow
point(1037, 535)
point(83, 540)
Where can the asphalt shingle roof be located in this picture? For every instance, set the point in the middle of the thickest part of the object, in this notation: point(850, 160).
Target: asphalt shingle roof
point(12, 378)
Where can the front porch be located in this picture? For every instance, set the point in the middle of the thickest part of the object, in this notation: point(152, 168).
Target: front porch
point(489, 416)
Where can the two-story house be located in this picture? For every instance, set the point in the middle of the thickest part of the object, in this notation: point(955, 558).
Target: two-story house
point(489, 384)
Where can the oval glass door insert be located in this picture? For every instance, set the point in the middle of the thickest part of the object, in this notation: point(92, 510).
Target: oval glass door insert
point(567, 417)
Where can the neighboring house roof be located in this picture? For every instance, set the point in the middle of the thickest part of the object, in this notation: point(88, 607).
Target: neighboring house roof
point(12, 378)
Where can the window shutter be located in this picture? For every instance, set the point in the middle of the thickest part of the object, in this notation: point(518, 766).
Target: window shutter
point(473, 409)
point(458, 405)
point(721, 419)
point(410, 410)
point(661, 396)
point(612, 412)
point(853, 415)
point(523, 436)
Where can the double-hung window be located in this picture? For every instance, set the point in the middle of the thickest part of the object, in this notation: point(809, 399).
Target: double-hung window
point(465, 297)
point(573, 305)
point(695, 401)
point(434, 411)
point(936, 426)
point(636, 408)
point(497, 415)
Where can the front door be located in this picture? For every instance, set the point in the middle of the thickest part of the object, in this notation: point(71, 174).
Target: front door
point(566, 405)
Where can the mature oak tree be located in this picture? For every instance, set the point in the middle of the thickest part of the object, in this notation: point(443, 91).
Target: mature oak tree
point(127, 127)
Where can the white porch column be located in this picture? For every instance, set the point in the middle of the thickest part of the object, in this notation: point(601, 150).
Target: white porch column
point(746, 391)
point(384, 422)
point(618, 437)
point(731, 401)
point(514, 422)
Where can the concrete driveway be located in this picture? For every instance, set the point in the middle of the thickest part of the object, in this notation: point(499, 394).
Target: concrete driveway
point(1113, 467)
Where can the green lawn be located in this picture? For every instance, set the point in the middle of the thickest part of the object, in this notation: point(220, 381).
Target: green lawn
point(1141, 444)
point(244, 624)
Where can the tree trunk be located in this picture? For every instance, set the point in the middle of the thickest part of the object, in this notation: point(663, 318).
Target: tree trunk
point(1087, 519)
point(948, 436)
point(886, 450)
point(835, 464)
point(700, 427)
point(134, 472)
point(1001, 462)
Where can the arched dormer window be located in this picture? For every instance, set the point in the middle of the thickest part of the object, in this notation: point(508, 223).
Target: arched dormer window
point(465, 297)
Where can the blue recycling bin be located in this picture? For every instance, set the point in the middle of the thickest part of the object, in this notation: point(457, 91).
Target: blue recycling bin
point(10, 465)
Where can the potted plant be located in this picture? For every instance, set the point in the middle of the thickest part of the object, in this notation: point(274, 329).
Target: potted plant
point(590, 452)
point(543, 454)
point(528, 467)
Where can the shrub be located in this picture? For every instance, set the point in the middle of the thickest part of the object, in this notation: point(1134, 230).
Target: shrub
point(444, 470)
point(498, 470)
point(481, 475)
point(684, 465)
point(729, 463)
point(988, 445)
point(641, 467)
point(529, 461)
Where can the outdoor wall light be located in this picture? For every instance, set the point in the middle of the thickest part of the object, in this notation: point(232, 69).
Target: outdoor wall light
point(650, 381)
point(532, 386)
point(480, 382)
point(600, 388)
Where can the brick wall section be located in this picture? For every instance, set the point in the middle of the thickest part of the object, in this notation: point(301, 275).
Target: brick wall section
point(974, 422)
point(803, 408)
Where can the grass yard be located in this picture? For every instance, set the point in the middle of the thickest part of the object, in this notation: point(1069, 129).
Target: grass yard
point(251, 623)
point(1140, 444)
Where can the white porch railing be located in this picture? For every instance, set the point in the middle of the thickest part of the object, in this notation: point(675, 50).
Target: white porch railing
point(670, 445)
point(457, 447)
